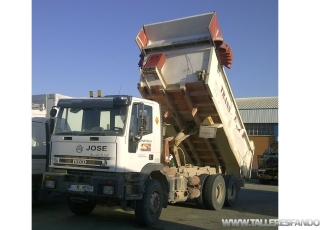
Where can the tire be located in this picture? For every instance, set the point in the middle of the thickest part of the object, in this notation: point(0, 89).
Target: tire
point(232, 190)
point(215, 192)
point(81, 207)
point(148, 209)
point(200, 200)
point(36, 188)
point(36, 191)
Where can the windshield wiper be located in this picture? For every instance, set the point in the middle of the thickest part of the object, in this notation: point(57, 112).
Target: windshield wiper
point(74, 133)
point(92, 134)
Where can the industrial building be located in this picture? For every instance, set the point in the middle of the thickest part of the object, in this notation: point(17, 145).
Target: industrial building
point(260, 118)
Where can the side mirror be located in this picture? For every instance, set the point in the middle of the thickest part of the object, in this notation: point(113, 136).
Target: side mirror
point(143, 125)
point(53, 112)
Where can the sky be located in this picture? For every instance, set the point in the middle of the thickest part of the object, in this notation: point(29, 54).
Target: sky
point(78, 46)
point(72, 47)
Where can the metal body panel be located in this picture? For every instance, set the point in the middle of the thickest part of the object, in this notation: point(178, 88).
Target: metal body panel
point(178, 29)
point(39, 145)
point(46, 101)
point(104, 153)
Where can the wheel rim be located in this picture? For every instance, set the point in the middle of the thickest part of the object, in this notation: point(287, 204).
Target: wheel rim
point(154, 204)
point(219, 192)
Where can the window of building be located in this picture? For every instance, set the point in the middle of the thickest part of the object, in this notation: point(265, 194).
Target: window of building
point(260, 129)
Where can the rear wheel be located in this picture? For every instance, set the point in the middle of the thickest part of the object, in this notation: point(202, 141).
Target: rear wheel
point(215, 192)
point(200, 200)
point(149, 208)
point(232, 190)
point(36, 191)
point(81, 207)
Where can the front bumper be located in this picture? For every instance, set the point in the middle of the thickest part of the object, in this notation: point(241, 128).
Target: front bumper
point(97, 186)
point(271, 174)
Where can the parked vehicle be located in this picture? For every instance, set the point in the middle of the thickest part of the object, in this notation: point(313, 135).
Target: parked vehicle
point(40, 140)
point(268, 166)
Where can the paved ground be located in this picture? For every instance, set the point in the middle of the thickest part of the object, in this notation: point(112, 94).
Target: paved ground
point(256, 201)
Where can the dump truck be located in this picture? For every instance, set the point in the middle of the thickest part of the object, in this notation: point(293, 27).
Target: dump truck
point(42, 127)
point(184, 139)
point(268, 166)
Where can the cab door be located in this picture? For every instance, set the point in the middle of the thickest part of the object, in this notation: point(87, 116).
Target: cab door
point(39, 147)
point(143, 147)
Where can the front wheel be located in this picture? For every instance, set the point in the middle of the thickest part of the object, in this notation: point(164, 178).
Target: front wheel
point(81, 207)
point(149, 208)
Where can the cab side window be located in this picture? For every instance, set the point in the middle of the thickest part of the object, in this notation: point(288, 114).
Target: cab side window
point(140, 123)
point(145, 120)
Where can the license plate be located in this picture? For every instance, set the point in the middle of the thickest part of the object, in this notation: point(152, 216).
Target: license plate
point(80, 188)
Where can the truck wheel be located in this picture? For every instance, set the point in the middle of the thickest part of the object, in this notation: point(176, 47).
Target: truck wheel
point(199, 200)
point(36, 189)
point(232, 190)
point(215, 192)
point(81, 207)
point(149, 208)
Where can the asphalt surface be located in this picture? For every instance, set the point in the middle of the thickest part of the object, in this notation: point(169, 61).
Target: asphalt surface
point(256, 201)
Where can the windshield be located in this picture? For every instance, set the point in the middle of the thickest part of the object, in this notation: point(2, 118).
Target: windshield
point(91, 121)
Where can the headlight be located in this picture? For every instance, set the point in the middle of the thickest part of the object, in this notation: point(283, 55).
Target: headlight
point(108, 190)
point(49, 184)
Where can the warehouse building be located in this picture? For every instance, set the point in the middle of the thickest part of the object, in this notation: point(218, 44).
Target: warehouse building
point(260, 118)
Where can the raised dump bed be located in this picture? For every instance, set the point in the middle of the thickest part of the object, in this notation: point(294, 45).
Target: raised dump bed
point(181, 67)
